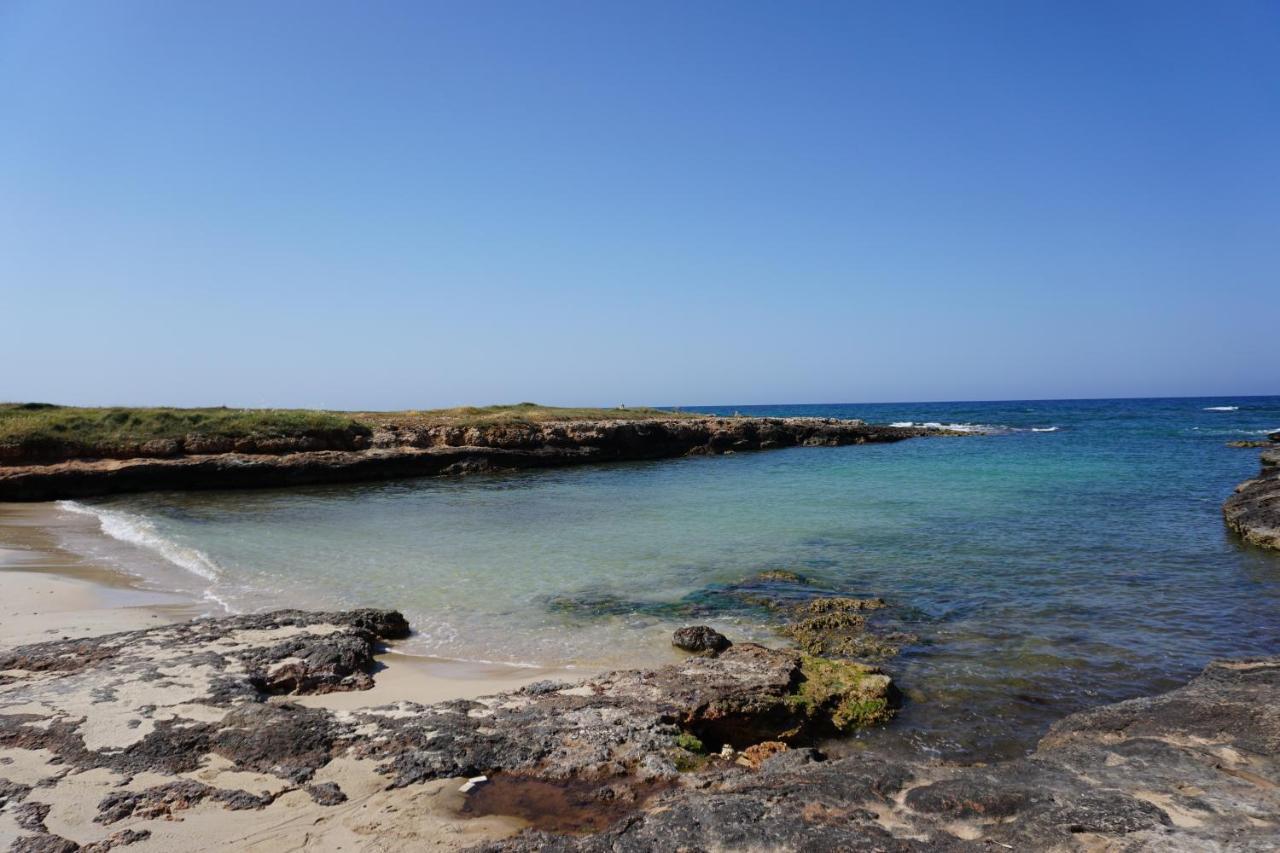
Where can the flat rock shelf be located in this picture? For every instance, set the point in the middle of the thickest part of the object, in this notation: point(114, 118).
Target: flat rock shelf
point(123, 739)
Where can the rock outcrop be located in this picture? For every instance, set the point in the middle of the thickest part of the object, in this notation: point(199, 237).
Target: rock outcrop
point(1254, 510)
point(1194, 769)
point(396, 450)
point(144, 712)
point(124, 739)
point(700, 640)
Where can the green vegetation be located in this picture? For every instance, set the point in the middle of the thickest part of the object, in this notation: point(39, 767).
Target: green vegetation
point(850, 694)
point(691, 753)
point(42, 427)
point(37, 430)
point(688, 741)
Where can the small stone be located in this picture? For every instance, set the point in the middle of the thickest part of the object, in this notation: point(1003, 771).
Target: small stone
point(700, 639)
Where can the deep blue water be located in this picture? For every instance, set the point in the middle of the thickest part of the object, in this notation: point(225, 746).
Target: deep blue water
point(1042, 571)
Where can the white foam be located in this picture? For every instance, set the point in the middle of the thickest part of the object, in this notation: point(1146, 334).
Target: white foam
point(139, 531)
point(982, 428)
point(1045, 429)
point(1222, 408)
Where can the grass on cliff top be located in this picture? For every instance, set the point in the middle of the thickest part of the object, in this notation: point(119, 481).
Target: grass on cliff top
point(519, 413)
point(42, 425)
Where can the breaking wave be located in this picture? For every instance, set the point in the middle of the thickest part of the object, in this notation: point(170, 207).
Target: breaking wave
point(984, 429)
point(139, 531)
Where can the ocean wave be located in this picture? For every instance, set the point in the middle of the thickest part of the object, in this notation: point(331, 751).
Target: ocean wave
point(1222, 408)
point(983, 429)
point(1236, 431)
point(980, 428)
point(139, 531)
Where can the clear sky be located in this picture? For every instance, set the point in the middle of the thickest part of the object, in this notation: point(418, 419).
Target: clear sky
point(378, 204)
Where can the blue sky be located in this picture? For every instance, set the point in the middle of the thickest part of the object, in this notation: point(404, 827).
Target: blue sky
point(359, 205)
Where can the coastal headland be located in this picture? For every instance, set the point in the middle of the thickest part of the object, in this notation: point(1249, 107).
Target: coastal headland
point(1254, 510)
point(52, 452)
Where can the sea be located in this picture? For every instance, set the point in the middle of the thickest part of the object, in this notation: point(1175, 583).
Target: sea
point(1061, 555)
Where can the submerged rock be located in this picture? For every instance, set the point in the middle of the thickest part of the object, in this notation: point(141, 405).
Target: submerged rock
point(837, 627)
point(700, 639)
point(781, 576)
point(818, 621)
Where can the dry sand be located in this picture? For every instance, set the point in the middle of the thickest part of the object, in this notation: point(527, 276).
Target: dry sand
point(48, 592)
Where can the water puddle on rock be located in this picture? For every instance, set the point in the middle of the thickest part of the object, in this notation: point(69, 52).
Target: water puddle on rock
point(563, 806)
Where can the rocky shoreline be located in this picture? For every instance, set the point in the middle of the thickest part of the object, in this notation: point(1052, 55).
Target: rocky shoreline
point(394, 450)
point(1254, 510)
point(150, 737)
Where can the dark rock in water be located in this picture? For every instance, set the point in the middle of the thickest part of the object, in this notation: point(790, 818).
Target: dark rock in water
point(781, 576)
point(1254, 510)
point(1248, 444)
point(1275, 436)
point(700, 639)
point(817, 621)
point(837, 627)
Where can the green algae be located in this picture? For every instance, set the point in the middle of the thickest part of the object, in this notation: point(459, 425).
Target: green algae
point(836, 627)
point(850, 695)
point(781, 576)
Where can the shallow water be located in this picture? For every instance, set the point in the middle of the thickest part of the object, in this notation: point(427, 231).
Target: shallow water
point(1075, 556)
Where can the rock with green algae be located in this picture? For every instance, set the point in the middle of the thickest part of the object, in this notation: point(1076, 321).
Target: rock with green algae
point(837, 628)
point(846, 694)
point(781, 576)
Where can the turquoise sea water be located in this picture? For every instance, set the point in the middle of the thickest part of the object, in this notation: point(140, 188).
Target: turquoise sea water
point(1075, 555)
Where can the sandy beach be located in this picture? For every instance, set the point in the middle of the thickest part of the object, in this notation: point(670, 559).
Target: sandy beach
point(49, 593)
